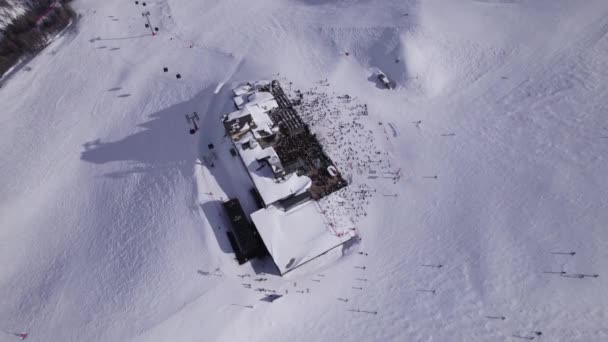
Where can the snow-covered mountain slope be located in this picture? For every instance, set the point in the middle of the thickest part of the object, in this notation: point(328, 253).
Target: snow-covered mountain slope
point(110, 228)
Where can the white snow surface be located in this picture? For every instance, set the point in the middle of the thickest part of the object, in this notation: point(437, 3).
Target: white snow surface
point(296, 236)
point(110, 228)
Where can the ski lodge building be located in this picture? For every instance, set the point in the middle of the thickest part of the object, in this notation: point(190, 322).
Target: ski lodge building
point(289, 172)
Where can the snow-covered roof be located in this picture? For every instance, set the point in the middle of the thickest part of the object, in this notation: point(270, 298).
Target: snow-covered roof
point(237, 114)
point(240, 100)
point(263, 99)
point(248, 93)
point(242, 89)
point(257, 105)
point(260, 98)
point(263, 165)
point(250, 123)
point(296, 236)
point(259, 114)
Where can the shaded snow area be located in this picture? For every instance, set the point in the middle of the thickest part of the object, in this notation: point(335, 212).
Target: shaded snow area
point(477, 183)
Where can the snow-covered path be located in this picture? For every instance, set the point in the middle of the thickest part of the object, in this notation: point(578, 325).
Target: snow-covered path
point(109, 224)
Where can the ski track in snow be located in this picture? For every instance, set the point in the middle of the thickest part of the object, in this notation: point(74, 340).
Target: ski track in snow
point(487, 159)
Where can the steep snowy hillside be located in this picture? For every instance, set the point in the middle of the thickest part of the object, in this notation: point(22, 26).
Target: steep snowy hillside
point(478, 185)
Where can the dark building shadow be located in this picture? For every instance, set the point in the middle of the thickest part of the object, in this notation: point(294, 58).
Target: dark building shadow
point(214, 213)
point(260, 169)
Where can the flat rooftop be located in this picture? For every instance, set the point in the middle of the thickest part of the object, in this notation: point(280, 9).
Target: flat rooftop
point(296, 236)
